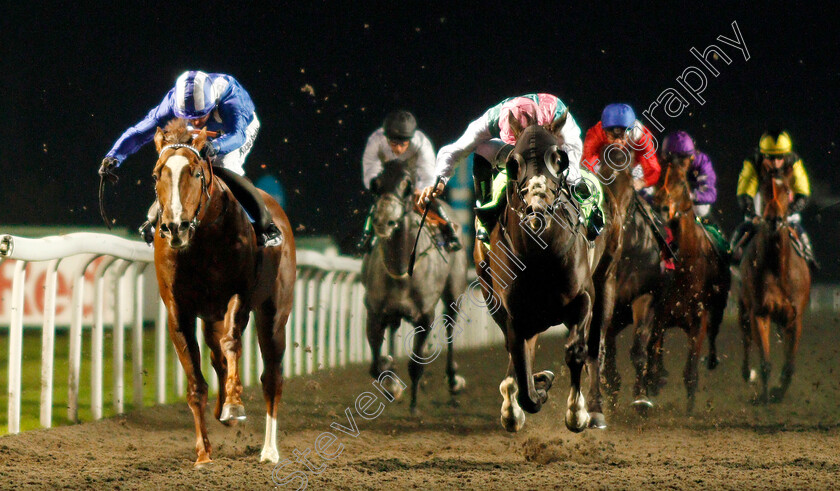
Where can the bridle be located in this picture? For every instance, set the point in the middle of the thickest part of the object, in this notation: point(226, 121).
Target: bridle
point(205, 189)
point(672, 213)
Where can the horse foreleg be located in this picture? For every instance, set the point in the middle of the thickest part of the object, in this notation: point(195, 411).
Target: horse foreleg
point(182, 333)
point(513, 418)
point(375, 337)
point(640, 354)
point(761, 331)
point(601, 321)
point(696, 336)
point(211, 337)
point(529, 397)
point(271, 334)
point(793, 332)
point(580, 314)
point(417, 362)
point(746, 340)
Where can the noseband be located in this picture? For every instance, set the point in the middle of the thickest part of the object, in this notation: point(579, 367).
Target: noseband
point(205, 189)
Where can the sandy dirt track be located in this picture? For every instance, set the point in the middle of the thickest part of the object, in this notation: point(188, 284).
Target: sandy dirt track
point(727, 443)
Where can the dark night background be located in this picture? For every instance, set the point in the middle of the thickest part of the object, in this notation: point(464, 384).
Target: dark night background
point(75, 77)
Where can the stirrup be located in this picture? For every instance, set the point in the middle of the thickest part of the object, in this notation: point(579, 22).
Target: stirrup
point(482, 235)
point(147, 232)
point(271, 237)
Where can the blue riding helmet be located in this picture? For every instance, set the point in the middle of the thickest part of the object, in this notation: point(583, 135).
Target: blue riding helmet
point(618, 115)
point(195, 95)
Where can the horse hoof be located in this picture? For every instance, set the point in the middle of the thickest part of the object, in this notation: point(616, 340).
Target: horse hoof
point(777, 394)
point(203, 464)
point(577, 421)
point(232, 412)
point(270, 455)
point(712, 362)
point(543, 380)
point(395, 389)
point(414, 412)
point(643, 401)
point(515, 421)
point(459, 385)
point(454, 403)
point(597, 421)
point(753, 376)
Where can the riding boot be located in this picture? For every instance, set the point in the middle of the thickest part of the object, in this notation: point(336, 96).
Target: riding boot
point(740, 239)
point(268, 235)
point(581, 192)
point(147, 229)
point(366, 242)
point(450, 235)
point(808, 249)
point(483, 182)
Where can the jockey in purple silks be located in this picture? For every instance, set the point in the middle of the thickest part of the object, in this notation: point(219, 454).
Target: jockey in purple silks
point(701, 175)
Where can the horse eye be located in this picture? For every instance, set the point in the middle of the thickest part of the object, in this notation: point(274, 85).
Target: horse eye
point(155, 177)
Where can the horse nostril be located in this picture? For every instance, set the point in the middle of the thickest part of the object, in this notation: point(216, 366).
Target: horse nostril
point(529, 210)
point(392, 223)
point(164, 228)
point(183, 226)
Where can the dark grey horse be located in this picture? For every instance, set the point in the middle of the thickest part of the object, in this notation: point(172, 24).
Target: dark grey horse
point(392, 295)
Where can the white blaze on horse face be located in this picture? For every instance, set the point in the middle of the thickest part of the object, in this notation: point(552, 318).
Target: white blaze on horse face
point(537, 192)
point(176, 165)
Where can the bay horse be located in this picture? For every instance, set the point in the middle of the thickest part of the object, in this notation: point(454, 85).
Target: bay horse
point(627, 277)
point(697, 289)
point(391, 294)
point(775, 286)
point(208, 265)
point(536, 274)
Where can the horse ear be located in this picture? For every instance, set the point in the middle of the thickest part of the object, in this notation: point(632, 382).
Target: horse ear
point(159, 139)
point(558, 122)
point(200, 139)
point(515, 127)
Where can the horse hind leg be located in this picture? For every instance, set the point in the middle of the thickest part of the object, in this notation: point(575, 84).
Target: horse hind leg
point(513, 417)
point(217, 359)
point(457, 383)
point(271, 333)
point(230, 340)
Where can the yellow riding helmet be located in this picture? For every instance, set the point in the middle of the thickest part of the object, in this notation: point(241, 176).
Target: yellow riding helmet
point(775, 144)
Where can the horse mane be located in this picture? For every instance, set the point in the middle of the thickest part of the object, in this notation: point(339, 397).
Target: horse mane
point(176, 131)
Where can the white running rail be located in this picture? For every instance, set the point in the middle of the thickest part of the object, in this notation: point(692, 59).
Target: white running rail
point(326, 327)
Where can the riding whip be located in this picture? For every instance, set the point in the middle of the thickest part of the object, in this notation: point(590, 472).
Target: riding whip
point(102, 202)
point(413, 256)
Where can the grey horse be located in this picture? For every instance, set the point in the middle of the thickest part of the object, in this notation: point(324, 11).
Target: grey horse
point(392, 295)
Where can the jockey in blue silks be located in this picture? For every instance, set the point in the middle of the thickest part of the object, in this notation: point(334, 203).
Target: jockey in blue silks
point(217, 102)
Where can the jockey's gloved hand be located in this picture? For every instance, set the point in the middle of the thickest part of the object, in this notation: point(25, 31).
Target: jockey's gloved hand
point(208, 151)
point(745, 201)
point(108, 169)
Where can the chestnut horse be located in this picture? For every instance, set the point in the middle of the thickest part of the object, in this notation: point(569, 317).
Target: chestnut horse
point(391, 294)
point(208, 265)
point(536, 274)
point(775, 286)
point(697, 289)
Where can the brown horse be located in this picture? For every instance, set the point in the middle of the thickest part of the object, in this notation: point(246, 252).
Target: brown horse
point(627, 277)
point(209, 266)
point(775, 286)
point(536, 274)
point(697, 289)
